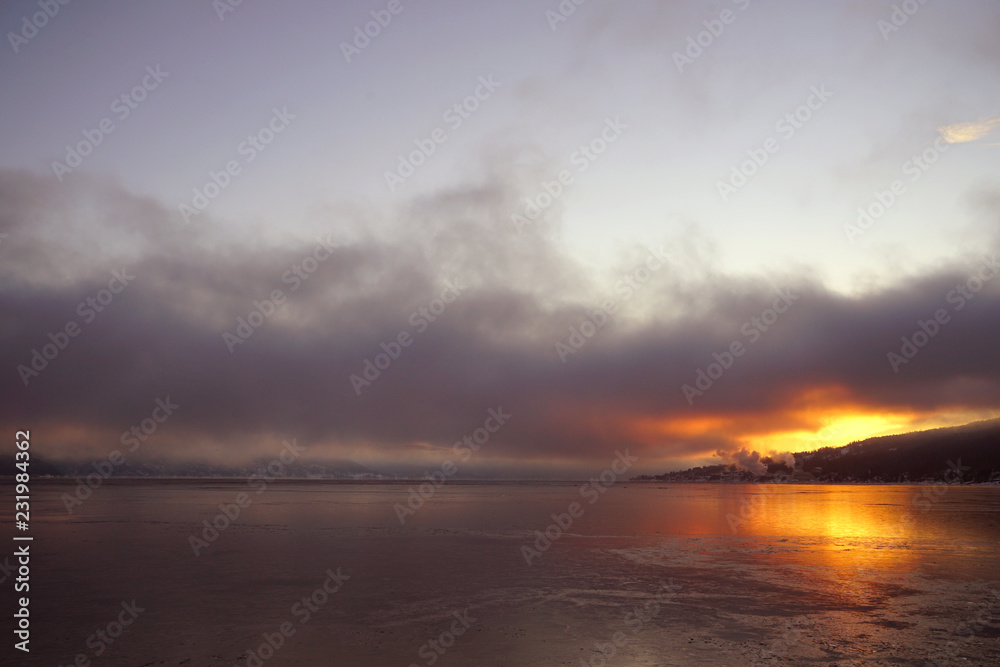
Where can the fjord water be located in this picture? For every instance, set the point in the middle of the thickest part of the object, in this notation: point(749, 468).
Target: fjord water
point(647, 574)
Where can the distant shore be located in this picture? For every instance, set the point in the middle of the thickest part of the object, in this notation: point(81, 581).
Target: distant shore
point(407, 481)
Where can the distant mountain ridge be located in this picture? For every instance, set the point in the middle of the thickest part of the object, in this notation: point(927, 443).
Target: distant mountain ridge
point(920, 456)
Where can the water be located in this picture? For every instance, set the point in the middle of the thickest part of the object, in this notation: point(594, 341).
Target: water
point(648, 574)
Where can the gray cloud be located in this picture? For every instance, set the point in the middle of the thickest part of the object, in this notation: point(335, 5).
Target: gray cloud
point(495, 345)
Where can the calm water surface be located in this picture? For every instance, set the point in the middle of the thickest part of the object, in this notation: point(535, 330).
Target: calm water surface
point(650, 574)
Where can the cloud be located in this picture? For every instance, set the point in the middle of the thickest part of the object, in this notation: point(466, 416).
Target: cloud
point(495, 345)
point(961, 133)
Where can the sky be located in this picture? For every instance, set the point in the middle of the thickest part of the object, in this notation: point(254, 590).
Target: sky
point(689, 229)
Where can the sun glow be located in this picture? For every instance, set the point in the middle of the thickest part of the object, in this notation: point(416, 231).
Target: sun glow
point(816, 418)
point(834, 431)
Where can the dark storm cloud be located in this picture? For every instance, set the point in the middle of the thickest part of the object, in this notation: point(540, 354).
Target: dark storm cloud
point(495, 345)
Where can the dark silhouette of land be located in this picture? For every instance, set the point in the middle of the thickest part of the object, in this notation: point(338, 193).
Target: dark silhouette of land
point(967, 454)
point(937, 455)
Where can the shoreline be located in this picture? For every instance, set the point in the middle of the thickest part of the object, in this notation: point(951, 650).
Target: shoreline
point(490, 482)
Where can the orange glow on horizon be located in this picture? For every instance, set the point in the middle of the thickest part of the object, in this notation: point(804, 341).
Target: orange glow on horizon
point(815, 418)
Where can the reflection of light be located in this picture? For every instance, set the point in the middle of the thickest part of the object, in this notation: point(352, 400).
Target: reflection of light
point(849, 526)
point(840, 528)
point(833, 511)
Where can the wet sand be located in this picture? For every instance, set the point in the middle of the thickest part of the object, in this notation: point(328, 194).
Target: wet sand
point(653, 574)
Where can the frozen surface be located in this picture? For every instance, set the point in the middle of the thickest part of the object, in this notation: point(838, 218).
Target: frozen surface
point(805, 575)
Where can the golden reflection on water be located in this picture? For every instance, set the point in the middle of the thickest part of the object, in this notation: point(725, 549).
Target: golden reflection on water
point(858, 528)
point(836, 512)
point(838, 527)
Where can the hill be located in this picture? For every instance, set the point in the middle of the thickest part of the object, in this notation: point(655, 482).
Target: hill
point(922, 456)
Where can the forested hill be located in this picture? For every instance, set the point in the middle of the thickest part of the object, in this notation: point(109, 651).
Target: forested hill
point(910, 457)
